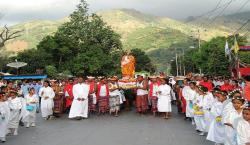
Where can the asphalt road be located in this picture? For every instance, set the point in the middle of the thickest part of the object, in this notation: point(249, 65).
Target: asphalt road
point(127, 129)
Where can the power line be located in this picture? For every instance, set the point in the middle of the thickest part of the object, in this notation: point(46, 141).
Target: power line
point(242, 26)
point(242, 7)
point(216, 8)
point(209, 12)
point(223, 10)
point(246, 34)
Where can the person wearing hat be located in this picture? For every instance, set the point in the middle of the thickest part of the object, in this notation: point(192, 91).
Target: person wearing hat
point(79, 108)
point(15, 105)
point(4, 117)
point(243, 127)
point(141, 95)
point(153, 90)
point(103, 96)
point(92, 95)
point(114, 97)
point(216, 130)
point(47, 95)
point(58, 99)
point(247, 88)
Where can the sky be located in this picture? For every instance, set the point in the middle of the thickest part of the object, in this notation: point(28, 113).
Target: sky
point(16, 11)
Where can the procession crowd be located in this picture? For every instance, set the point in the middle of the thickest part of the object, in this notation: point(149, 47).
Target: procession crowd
point(218, 107)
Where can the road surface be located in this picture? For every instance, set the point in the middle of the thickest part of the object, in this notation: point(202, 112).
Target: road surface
point(127, 129)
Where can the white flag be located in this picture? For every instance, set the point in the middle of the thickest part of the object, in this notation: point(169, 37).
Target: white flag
point(227, 50)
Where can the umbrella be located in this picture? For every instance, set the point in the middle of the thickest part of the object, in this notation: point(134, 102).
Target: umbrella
point(16, 64)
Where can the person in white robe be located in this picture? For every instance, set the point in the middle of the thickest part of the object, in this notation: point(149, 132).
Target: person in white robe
point(4, 118)
point(164, 98)
point(230, 120)
point(15, 105)
point(216, 131)
point(23, 111)
point(190, 96)
point(208, 101)
point(199, 107)
point(243, 127)
point(31, 100)
point(79, 107)
point(47, 94)
point(185, 94)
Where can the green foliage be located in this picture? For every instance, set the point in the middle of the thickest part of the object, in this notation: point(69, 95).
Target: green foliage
point(210, 58)
point(51, 71)
point(84, 45)
point(143, 62)
point(36, 59)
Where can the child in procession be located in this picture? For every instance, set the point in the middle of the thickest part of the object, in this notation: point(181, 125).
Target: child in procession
point(4, 117)
point(217, 130)
point(199, 107)
point(15, 105)
point(31, 100)
point(243, 127)
point(231, 118)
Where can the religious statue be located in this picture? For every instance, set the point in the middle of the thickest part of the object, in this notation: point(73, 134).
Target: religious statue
point(128, 66)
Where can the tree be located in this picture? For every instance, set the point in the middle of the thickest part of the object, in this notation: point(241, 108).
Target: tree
point(143, 62)
point(6, 35)
point(36, 59)
point(84, 45)
point(210, 58)
point(51, 71)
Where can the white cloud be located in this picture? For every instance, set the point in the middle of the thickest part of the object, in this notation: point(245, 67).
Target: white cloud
point(35, 4)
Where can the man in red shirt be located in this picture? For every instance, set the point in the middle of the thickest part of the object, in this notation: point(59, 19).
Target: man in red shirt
point(227, 86)
point(206, 83)
point(247, 88)
point(68, 90)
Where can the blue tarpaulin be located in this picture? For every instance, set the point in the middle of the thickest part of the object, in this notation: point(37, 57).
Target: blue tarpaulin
point(24, 77)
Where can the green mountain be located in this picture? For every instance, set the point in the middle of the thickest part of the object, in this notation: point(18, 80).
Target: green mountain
point(159, 37)
point(228, 23)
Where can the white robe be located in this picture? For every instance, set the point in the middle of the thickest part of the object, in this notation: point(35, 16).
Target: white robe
point(80, 108)
point(164, 98)
point(30, 116)
point(48, 104)
point(200, 120)
point(207, 105)
point(216, 131)
point(232, 117)
point(23, 110)
point(189, 97)
point(185, 94)
point(243, 132)
point(4, 118)
point(15, 106)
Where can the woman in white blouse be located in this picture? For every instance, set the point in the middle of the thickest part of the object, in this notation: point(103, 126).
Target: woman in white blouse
point(164, 98)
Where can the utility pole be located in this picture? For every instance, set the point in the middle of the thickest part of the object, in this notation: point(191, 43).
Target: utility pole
point(176, 62)
point(180, 65)
point(184, 69)
point(199, 39)
point(199, 44)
